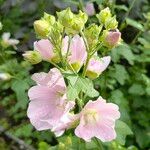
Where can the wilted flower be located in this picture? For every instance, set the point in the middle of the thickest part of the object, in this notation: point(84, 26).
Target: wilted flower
point(96, 66)
point(77, 51)
point(46, 50)
point(33, 57)
point(7, 41)
point(97, 119)
point(48, 103)
point(89, 9)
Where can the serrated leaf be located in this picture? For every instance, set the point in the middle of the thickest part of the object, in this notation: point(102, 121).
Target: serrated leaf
point(123, 51)
point(136, 89)
point(122, 130)
point(19, 87)
point(135, 24)
point(120, 74)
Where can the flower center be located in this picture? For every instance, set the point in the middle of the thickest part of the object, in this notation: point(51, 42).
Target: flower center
point(91, 116)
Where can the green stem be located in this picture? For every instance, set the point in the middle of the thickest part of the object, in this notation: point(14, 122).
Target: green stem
point(69, 41)
point(98, 143)
point(85, 41)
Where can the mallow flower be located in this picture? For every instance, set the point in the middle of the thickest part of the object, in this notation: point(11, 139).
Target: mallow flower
point(97, 119)
point(7, 41)
point(48, 103)
point(77, 51)
point(96, 66)
point(46, 49)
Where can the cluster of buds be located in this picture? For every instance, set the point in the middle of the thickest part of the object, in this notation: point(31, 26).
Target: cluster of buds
point(67, 44)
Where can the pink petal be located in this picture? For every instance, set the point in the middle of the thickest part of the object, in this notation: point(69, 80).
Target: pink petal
point(98, 66)
point(37, 111)
point(78, 50)
point(40, 92)
point(45, 48)
point(105, 133)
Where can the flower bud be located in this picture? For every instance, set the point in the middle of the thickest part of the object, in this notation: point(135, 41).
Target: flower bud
point(92, 34)
point(65, 17)
point(78, 23)
point(111, 38)
point(5, 76)
point(73, 23)
point(96, 66)
point(49, 18)
point(43, 26)
point(33, 57)
point(104, 15)
point(89, 9)
point(111, 23)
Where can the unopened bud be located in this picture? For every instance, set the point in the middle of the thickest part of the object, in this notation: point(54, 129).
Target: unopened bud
point(104, 15)
point(41, 28)
point(5, 76)
point(92, 34)
point(111, 23)
point(65, 17)
point(73, 23)
point(33, 57)
point(111, 38)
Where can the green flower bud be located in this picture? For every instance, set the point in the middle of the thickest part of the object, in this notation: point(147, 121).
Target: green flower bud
point(111, 23)
point(41, 28)
point(104, 15)
point(1, 26)
point(33, 57)
point(65, 17)
point(61, 146)
point(92, 34)
point(73, 23)
point(49, 18)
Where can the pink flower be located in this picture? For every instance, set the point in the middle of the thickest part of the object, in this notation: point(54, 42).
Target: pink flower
point(77, 51)
point(97, 66)
point(89, 9)
point(97, 119)
point(46, 49)
point(48, 103)
point(113, 38)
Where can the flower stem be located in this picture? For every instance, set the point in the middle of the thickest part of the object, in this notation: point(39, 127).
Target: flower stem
point(98, 143)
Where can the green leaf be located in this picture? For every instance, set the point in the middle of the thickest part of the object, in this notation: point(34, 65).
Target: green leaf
point(135, 24)
point(122, 130)
point(123, 51)
point(20, 87)
point(120, 74)
point(78, 84)
point(136, 89)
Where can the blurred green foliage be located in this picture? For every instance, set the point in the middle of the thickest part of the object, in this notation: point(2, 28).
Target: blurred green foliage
point(126, 82)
